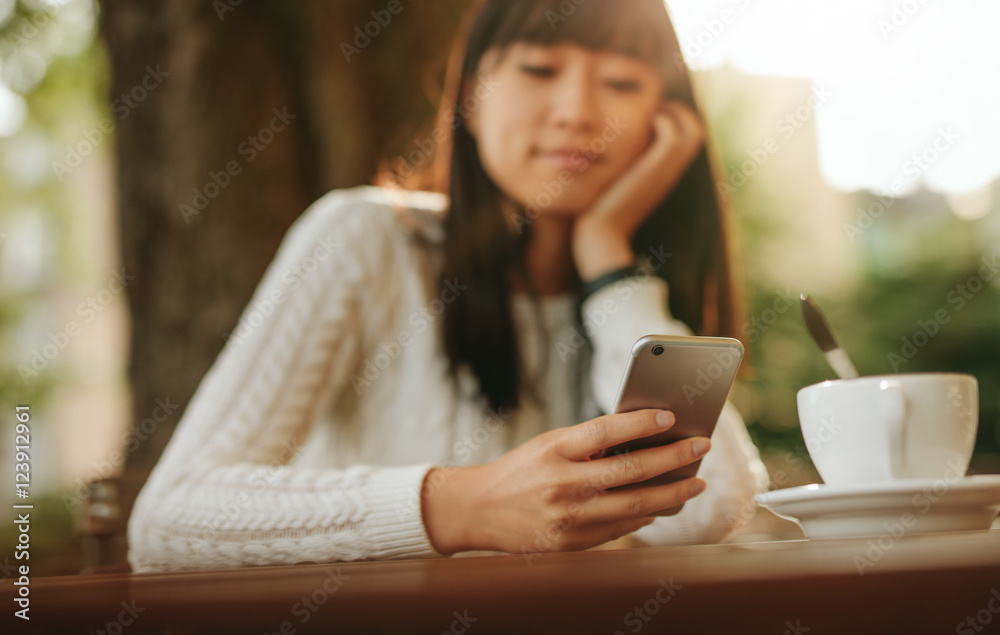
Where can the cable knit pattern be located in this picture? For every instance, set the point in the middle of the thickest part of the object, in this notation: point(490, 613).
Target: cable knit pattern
point(310, 437)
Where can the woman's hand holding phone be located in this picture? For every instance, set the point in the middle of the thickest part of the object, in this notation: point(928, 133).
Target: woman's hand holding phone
point(549, 494)
point(602, 236)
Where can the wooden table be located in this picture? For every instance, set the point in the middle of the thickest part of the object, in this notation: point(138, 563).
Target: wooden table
point(914, 584)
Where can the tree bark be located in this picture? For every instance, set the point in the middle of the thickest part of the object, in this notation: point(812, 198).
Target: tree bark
point(202, 205)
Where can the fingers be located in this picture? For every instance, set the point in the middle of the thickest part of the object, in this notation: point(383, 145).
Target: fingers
point(599, 534)
point(583, 440)
point(666, 131)
point(686, 123)
point(639, 502)
point(605, 516)
point(678, 135)
point(640, 465)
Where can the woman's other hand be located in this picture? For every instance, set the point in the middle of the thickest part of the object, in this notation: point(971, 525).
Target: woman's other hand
point(549, 494)
point(602, 236)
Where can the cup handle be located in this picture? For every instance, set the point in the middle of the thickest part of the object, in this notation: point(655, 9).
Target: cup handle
point(894, 407)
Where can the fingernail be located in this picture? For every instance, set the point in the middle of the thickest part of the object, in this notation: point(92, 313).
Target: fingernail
point(697, 487)
point(664, 419)
point(700, 447)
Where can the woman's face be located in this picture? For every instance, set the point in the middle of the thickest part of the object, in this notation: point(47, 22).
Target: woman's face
point(561, 122)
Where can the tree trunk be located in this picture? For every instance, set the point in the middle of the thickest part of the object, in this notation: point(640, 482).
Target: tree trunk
point(233, 116)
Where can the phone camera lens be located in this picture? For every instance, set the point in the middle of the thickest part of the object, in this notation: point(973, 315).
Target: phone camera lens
point(657, 350)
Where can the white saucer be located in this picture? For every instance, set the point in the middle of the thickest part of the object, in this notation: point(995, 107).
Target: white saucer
point(915, 506)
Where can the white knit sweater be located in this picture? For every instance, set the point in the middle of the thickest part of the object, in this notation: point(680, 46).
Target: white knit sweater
point(310, 437)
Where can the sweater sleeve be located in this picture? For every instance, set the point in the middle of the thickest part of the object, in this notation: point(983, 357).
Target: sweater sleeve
point(225, 492)
point(732, 470)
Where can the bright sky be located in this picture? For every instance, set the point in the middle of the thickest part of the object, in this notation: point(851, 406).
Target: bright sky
point(906, 75)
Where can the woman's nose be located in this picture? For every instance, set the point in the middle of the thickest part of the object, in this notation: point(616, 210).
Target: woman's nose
point(574, 102)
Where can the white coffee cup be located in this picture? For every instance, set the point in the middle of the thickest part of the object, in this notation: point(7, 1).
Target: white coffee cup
point(890, 427)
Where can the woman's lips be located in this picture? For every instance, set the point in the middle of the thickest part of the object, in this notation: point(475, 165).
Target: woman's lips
point(567, 158)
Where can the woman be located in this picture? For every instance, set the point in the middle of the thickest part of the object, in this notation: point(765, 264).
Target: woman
point(410, 377)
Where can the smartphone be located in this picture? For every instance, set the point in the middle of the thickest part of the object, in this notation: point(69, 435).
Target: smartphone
point(689, 375)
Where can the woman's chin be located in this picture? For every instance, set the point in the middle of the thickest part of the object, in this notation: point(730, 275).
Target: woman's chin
point(563, 204)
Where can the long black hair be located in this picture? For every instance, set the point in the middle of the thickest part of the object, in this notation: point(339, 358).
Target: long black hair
point(481, 250)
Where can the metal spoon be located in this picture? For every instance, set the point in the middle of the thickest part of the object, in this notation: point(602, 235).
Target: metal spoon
point(821, 333)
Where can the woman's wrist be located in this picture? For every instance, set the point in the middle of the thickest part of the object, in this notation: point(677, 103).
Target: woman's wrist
point(448, 509)
point(605, 280)
point(599, 249)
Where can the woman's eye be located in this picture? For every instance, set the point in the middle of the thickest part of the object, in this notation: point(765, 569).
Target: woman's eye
point(538, 71)
point(624, 85)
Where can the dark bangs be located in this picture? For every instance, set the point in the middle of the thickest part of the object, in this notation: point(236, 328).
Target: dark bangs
point(633, 28)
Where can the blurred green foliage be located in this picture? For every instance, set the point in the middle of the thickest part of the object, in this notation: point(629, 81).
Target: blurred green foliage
point(56, 546)
point(923, 297)
point(50, 60)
